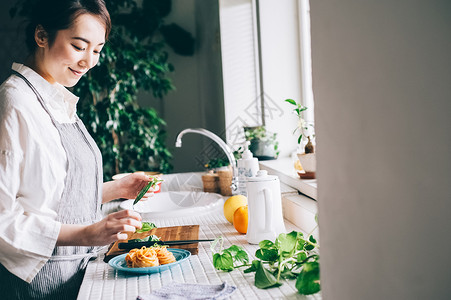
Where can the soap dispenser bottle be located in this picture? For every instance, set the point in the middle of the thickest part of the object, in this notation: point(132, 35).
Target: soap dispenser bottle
point(247, 167)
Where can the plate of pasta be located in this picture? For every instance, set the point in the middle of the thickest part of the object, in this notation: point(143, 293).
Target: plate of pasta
point(149, 259)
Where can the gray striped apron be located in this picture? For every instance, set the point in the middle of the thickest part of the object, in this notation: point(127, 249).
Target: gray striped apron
point(61, 276)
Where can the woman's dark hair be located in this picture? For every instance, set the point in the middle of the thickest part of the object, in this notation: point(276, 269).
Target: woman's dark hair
point(55, 15)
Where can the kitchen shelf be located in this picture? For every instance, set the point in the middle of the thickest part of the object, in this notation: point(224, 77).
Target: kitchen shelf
point(284, 169)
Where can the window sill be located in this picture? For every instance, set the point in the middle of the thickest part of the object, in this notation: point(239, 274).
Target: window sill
point(284, 169)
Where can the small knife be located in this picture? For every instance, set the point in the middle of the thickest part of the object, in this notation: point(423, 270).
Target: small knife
point(134, 245)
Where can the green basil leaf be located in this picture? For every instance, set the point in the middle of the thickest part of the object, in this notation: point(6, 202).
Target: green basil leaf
point(263, 278)
point(223, 261)
point(146, 226)
point(308, 281)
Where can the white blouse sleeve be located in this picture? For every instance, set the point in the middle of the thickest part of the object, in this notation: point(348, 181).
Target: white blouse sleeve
point(27, 238)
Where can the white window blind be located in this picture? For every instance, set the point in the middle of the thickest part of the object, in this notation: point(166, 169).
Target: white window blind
point(239, 53)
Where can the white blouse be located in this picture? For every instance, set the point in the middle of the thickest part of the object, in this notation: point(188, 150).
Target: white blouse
point(32, 170)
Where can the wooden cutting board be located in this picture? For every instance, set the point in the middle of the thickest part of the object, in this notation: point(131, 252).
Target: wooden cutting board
point(174, 233)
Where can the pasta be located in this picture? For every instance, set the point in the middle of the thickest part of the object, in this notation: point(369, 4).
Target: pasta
point(164, 255)
point(141, 258)
point(149, 257)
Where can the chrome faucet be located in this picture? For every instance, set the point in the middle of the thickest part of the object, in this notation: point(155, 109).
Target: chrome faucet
point(228, 151)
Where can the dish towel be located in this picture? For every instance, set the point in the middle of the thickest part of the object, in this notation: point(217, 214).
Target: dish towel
point(178, 291)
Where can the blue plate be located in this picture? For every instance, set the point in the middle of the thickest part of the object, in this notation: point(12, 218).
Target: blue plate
point(119, 263)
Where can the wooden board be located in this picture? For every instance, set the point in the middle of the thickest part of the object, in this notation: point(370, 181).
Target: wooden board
point(175, 233)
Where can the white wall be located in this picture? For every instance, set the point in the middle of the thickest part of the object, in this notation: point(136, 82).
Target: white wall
point(281, 67)
point(382, 87)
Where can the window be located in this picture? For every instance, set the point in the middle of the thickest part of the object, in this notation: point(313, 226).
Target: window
point(266, 59)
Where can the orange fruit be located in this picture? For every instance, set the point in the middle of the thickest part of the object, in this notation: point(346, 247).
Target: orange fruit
point(240, 219)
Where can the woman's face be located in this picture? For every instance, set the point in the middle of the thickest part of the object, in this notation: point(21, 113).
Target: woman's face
point(74, 51)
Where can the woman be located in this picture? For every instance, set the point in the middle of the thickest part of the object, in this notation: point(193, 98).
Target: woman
point(50, 168)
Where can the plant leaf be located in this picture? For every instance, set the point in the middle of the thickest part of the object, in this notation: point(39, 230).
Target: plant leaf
point(312, 239)
point(308, 281)
point(266, 244)
point(288, 274)
point(286, 242)
point(238, 254)
point(291, 101)
point(253, 266)
point(301, 257)
point(263, 278)
point(267, 254)
point(146, 226)
point(223, 261)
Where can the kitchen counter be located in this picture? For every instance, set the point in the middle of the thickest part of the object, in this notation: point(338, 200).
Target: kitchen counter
point(103, 282)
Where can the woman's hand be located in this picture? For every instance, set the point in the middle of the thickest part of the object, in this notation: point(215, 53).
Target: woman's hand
point(127, 187)
point(130, 186)
point(110, 229)
point(113, 227)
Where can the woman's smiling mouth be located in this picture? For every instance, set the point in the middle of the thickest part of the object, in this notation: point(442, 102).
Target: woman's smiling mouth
point(77, 73)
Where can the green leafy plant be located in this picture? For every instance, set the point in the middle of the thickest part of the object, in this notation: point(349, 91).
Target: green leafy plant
point(130, 137)
point(260, 139)
point(217, 163)
point(290, 256)
point(230, 258)
point(303, 126)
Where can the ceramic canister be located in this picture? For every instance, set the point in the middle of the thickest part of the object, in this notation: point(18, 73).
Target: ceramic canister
point(265, 208)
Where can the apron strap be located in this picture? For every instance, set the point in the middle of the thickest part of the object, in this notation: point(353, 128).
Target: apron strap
point(40, 99)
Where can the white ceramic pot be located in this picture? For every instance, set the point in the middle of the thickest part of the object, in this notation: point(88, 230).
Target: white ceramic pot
point(308, 163)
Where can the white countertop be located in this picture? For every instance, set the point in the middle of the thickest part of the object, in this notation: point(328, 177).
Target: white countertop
point(103, 282)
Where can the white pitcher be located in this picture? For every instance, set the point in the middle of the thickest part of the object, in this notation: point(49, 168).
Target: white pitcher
point(265, 208)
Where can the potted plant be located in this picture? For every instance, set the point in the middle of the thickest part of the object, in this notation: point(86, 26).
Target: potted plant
point(217, 164)
point(306, 156)
point(263, 144)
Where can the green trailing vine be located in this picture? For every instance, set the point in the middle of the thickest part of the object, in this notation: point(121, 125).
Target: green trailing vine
point(290, 256)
